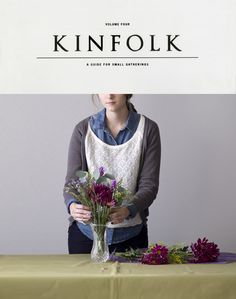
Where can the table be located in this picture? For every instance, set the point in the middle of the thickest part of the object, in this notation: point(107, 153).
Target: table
point(74, 276)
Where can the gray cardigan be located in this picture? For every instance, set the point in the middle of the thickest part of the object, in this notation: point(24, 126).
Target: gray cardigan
point(149, 169)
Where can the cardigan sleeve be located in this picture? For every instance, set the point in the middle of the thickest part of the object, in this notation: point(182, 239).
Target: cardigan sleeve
point(74, 161)
point(148, 181)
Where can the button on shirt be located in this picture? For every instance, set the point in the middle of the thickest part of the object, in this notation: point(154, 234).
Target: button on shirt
point(99, 127)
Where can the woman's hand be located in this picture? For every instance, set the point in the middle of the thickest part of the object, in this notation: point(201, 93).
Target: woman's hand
point(80, 212)
point(118, 215)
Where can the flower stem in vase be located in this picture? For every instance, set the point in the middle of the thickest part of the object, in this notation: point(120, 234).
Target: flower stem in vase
point(100, 250)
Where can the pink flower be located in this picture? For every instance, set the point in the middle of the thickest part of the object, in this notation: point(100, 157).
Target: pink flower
point(156, 255)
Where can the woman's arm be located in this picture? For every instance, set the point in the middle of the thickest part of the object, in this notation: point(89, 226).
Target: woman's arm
point(148, 180)
point(76, 157)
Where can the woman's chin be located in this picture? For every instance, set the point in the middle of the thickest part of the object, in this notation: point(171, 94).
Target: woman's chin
point(112, 107)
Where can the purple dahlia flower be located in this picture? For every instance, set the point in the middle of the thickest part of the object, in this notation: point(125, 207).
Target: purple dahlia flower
point(103, 195)
point(204, 251)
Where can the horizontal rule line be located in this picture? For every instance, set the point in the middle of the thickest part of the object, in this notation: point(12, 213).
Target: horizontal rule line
point(123, 57)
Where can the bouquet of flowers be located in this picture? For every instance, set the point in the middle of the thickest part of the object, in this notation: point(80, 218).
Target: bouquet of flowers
point(99, 191)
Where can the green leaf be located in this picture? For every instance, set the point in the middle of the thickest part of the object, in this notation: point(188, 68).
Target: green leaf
point(96, 174)
point(102, 180)
point(121, 189)
point(109, 176)
point(81, 174)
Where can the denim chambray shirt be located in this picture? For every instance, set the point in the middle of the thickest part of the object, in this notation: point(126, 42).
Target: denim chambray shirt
point(98, 125)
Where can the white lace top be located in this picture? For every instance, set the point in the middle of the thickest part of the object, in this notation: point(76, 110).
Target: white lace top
point(120, 160)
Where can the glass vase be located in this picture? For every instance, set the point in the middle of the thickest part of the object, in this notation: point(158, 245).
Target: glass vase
point(100, 250)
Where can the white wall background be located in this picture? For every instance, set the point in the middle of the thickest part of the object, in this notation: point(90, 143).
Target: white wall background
point(197, 194)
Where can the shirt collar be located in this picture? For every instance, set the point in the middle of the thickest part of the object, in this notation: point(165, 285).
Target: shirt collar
point(100, 123)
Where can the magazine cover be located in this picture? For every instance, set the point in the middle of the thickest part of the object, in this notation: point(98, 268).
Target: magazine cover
point(131, 192)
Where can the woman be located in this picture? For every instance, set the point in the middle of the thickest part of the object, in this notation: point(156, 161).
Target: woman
point(128, 145)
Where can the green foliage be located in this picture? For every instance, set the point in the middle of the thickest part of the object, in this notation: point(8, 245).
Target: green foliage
point(81, 174)
point(103, 180)
point(96, 174)
point(130, 254)
point(178, 254)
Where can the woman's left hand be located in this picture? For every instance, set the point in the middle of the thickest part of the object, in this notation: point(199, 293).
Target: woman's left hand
point(118, 215)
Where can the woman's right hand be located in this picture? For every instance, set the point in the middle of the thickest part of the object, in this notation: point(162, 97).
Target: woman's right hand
point(80, 212)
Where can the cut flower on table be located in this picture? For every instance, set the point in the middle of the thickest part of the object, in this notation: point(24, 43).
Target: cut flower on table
point(157, 254)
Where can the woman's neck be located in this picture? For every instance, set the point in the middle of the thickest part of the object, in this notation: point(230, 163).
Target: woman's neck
point(116, 119)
